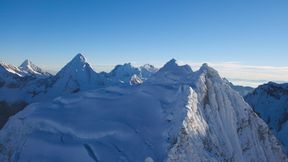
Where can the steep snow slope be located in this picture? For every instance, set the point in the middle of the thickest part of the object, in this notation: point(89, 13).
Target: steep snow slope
point(270, 101)
point(177, 115)
point(28, 68)
point(220, 126)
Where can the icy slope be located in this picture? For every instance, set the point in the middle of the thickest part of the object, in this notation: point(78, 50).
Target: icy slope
point(177, 115)
point(270, 101)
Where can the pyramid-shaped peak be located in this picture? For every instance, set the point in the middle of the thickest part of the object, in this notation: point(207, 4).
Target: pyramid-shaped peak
point(79, 58)
point(78, 62)
point(26, 63)
point(76, 66)
point(28, 68)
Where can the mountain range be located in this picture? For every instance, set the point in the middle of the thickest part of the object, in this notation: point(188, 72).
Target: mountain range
point(30, 83)
point(131, 114)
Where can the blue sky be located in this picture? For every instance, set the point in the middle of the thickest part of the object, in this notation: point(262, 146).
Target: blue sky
point(51, 32)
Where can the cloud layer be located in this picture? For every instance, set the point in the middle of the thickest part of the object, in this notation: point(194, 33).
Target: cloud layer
point(248, 75)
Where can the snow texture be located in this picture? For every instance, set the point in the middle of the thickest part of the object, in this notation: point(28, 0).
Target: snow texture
point(176, 115)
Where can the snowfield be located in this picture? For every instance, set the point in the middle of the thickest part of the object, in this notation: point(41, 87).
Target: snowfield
point(176, 115)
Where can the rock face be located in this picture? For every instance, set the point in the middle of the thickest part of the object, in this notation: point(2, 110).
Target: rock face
point(270, 102)
point(176, 115)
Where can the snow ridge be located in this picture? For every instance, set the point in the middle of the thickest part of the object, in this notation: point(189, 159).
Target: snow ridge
point(176, 115)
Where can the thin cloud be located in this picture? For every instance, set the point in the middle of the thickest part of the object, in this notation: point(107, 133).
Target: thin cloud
point(249, 75)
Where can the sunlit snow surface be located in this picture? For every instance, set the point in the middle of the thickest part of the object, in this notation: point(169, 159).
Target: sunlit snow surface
point(176, 115)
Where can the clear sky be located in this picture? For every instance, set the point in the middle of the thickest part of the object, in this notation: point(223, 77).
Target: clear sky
point(107, 32)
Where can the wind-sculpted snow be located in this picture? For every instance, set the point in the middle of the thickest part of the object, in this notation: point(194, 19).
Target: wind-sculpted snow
point(176, 115)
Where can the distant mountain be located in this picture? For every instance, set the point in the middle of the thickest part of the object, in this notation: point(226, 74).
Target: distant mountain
point(270, 102)
point(147, 71)
point(10, 76)
point(30, 83)
point(177, 115)
point(126, 74)
point(242, 90)
point(75, 76)
point(172, 73)
point(28, 68)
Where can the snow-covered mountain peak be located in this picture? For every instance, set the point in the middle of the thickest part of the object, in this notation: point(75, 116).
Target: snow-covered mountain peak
point(10, 69)
point(172, 73)
point(209, 71)
point(125, 70)
point(26, 63)
point(148, 70)
point(179, 115)
point(79, 58)
point(76, 65)
point(149, 67)
point(28, 68)
point(172, 66)
point(126, 67)
point(76, 75)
